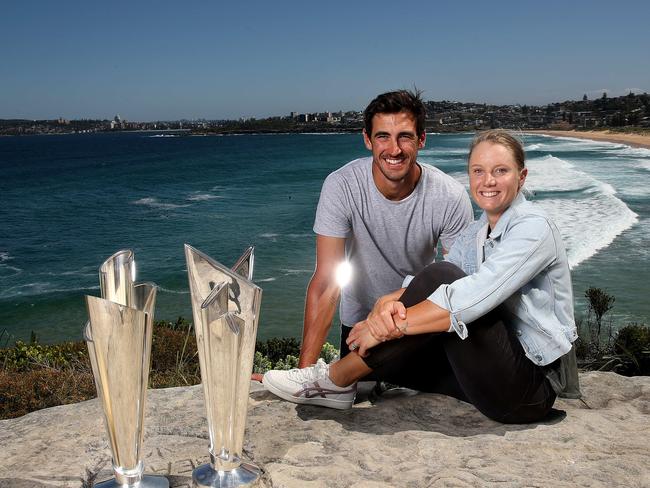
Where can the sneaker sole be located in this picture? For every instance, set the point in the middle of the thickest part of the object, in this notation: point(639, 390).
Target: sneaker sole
point(322, 402)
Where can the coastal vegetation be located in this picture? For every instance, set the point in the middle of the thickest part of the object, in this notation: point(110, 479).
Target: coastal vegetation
point(35, 375)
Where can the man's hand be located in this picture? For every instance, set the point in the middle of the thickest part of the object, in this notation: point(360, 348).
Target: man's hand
point(360, 339)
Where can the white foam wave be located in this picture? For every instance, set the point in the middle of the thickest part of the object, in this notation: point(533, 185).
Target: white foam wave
point(549, 173)
point(263, 280)
point(589, 224)
point(164, 135)
point(600, 188)
point(269, 235)
point(635, 151)
point(153, 202)
point(80, 272)
point(40, 288)
point(559, 144)
point(296, 271)
point(442, 151)
point(462, 177)
point(7, 271)
point(175, 292)
point(642, 165)
point(199, 197)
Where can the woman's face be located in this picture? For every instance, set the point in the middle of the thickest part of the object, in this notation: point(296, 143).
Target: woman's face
point(494, 178)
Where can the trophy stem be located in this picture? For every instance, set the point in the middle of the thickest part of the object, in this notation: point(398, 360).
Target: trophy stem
point(128, 477)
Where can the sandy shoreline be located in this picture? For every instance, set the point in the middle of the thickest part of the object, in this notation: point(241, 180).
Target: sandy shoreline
point(634, 140)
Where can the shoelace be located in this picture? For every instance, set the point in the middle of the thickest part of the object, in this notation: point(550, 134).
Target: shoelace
point(306, 375)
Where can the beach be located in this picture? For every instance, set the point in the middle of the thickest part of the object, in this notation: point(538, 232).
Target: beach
point(634, 140)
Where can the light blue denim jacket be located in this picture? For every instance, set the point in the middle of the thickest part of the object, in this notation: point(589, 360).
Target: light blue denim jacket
point(522, 264)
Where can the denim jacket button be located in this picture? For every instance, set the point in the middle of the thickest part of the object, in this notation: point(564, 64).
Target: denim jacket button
point(538, 357)
point(519, 333)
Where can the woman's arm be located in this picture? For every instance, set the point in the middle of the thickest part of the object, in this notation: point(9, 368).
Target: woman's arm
point(421, 318)
point(527, 247)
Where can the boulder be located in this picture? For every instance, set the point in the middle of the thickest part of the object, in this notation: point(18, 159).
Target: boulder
point(402, 438)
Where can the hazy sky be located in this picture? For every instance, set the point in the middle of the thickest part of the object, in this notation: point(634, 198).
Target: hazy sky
point(153, 60)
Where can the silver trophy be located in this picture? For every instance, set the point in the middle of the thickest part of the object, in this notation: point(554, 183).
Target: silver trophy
point(118, 336)
point(225, 307)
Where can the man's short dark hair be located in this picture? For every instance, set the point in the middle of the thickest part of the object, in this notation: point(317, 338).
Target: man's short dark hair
point(395, 102)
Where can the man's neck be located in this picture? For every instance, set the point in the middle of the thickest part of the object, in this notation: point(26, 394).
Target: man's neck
point(397, 190)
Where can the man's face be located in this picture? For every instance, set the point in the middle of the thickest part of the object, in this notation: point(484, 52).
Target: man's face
point(394, 143)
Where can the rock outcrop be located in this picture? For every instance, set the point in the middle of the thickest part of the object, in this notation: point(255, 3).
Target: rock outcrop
point(402, 439)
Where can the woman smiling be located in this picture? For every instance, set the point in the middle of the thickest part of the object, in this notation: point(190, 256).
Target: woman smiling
point(492, 325)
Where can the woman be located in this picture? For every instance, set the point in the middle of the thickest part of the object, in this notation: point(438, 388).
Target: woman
point(488, 326)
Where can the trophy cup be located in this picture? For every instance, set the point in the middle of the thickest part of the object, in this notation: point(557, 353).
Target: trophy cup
point(118, 336)
point(225, 307)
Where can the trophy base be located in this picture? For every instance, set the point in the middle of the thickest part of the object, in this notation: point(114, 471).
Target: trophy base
point(205, 476)
point(147, 481)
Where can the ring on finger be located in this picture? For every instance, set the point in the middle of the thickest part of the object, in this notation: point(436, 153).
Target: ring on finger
point(354, 347)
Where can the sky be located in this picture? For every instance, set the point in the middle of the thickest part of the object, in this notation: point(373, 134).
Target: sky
point(160, 60)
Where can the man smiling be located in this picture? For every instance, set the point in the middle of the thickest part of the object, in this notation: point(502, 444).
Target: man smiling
point(383, 215)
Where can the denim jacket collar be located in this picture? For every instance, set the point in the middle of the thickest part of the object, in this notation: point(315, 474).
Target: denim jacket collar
point(502, 223)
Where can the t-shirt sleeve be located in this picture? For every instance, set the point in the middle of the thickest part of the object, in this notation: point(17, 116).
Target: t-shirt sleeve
point(455, 254)
point(459, 216)
point(333, 216)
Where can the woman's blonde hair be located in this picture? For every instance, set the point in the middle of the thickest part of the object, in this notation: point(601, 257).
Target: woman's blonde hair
point(505, 139)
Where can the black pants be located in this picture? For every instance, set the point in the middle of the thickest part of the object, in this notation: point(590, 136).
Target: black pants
point(488, 369)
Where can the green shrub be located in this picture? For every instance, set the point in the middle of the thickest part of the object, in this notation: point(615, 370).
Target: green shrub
point(329, 353)
point(261, 364)
point(278, 348)
point(25, 391)
point(24, 356)
point(180, 324)
point(34, 376)
point(632, 345)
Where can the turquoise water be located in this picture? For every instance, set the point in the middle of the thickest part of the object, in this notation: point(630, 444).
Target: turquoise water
point(68, 202)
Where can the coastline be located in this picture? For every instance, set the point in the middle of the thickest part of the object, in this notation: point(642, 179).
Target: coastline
point(634, 140)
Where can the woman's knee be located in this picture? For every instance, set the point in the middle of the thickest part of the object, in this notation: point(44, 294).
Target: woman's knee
point(428, 280)
point(442, 272)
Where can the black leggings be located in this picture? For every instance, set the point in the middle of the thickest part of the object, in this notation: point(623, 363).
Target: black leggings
point(488, 369)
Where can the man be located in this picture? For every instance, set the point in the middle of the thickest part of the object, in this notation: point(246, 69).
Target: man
point(383, 214)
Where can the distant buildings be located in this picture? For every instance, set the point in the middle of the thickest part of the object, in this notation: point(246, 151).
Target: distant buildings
point(442, 116)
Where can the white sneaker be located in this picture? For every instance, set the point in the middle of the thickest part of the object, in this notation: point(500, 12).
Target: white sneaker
point(311, 385)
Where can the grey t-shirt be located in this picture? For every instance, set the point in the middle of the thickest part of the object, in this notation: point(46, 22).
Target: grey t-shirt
point(387, 240)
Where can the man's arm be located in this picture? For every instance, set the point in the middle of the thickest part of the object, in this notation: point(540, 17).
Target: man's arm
point(322, 297)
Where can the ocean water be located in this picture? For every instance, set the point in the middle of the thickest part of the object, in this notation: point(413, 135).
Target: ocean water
point(69, 202)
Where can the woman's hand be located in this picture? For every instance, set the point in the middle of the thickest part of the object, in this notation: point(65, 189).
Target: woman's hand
point(360, 339)
point(385, 317)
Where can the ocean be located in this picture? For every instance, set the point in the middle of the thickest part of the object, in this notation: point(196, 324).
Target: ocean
point(70, 201)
